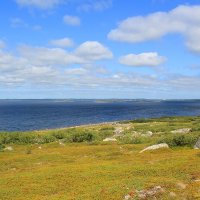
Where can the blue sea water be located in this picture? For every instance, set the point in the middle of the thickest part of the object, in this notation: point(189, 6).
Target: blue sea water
point(24, 115)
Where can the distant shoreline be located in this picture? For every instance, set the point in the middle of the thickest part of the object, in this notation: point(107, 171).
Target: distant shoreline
point(140, 120)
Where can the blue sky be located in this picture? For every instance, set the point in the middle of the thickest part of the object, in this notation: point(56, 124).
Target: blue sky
point(100, 49)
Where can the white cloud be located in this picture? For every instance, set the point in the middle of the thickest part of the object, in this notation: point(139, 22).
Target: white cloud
point(87, 52)
point(71, 20)
point(143, 59)
point(2, 44)
point(51, 66)
point(64, 42)
point(92, 50)
point(183, 19)
point(95, 5)
point(42, 4)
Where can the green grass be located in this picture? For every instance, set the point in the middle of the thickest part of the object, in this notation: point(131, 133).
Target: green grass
point(83, 167)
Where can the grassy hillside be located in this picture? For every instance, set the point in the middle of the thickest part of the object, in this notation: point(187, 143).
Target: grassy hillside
point(76, 164)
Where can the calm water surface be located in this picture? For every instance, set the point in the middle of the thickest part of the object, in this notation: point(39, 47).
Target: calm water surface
point(23, 115)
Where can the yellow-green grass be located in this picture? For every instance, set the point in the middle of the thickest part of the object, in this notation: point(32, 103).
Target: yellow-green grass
point(101, 171)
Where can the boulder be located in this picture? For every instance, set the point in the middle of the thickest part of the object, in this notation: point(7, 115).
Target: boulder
point(110, 139)
point(182, 130)
point(181, 186)
point(127, 197)
point(197, 145)
point(118, 131)
point(147, 134)
point(149, 193)
point(154, 147)
point(172, 194)
point(8, 149)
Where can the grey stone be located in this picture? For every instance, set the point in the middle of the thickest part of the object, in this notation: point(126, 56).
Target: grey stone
point(9, 148)
point(110, 139)
point(197, 145)
point(182, 130)
point(154, 147)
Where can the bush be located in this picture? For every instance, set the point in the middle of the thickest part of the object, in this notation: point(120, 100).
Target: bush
point(132, 140)
point(59, 135)
point(179, 140)
point(2, 147)
point(82, 137)
point(46, 139)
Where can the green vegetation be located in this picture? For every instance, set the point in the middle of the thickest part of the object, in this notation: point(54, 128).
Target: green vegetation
point(75, 163)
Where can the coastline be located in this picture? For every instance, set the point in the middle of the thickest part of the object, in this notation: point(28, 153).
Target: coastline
point(105, 123)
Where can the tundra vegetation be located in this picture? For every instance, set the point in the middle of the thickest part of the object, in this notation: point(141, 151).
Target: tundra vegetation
point(103, 161)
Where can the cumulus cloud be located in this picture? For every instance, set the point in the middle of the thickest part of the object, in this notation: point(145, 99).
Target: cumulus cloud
point(64, 42)
point(71, 20)
point(52, 66)
point(87, 52)
point(95, 5)
point(42, 4)
point(92, 50)
point(143, 59)
point(184, 20)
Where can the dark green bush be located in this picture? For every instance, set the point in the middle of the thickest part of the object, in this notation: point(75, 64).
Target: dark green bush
point(59, 135)
point(2, 147)
point(179, 140)
point(82, 137)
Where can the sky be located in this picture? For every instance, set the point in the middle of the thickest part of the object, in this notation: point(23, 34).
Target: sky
point(99, 49)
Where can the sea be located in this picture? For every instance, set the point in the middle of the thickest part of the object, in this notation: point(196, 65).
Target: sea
point(28, 115)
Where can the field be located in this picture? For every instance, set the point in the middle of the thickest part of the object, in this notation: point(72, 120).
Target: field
point(76, 164)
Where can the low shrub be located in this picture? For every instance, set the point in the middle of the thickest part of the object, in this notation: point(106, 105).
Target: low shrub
point(2, 147)
point(179, 140)
point(82, 137)
point(132, 140)
point(59, 135)
point(46, 139)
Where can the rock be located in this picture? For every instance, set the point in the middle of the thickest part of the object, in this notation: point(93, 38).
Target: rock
point(152, 192)
point(197, 145)
point(136, 134)
point(182, 130)
point(9, 148)
point(61, 143)
point(128, 196)
point(131, 195)
point(172, 194)
point(181, 186)
point(118, 132)
point(154, 147)
point(110, 139)
point(149, 133)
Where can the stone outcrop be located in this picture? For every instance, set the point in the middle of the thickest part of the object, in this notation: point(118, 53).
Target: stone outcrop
point(182, 130)
point(150, 193)
point(154, 147)
point(111, 139)
point(8, 148)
